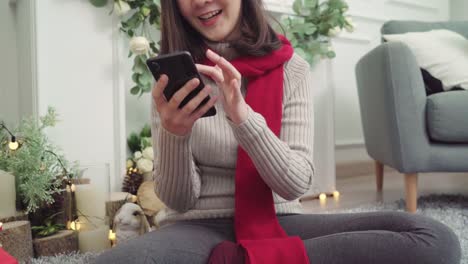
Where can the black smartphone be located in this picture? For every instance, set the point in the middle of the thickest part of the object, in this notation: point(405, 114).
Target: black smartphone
point(180, 68)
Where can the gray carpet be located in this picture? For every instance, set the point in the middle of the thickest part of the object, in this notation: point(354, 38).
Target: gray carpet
point(451, 210)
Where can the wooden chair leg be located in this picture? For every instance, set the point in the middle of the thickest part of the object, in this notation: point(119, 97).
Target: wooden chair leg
point(411, 186)
point(379, 171)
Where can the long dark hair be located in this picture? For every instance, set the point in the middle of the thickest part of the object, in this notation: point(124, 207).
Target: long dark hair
point(257, 36)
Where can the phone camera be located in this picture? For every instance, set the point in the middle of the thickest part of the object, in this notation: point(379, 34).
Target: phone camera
point(156, 66)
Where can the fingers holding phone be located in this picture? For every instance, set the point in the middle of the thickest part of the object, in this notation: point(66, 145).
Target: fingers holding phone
point(174, 119)
point(180, 95)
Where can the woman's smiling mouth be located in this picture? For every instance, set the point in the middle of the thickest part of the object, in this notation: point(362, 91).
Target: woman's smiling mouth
point(210, 18)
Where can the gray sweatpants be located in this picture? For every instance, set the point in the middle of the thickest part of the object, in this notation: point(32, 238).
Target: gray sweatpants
point(377, 237)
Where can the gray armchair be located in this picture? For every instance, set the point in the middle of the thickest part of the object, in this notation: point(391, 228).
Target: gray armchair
point(403, 127)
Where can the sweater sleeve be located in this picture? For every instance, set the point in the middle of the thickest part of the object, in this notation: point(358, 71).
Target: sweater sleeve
point(177, 178)
point(285, 163)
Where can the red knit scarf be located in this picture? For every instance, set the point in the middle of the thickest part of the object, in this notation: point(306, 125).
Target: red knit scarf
point(257, 229)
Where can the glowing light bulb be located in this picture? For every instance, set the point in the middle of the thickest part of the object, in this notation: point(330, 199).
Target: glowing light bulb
point(75, 225)
point(322, 197)
point(336, 194)
point(13, 145)
point(111, 235)
point(73, 188)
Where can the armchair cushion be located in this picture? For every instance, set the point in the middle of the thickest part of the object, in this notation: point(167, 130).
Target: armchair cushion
point(447, 117)
point(443, 53)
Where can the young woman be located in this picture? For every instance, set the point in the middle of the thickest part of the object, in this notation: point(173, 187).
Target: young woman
point(215, 173)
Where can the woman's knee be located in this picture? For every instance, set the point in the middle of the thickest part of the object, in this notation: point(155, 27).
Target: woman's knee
point(438, 243)
point(131, 251)
point(147, 250)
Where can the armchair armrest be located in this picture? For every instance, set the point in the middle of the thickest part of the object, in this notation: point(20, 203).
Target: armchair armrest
point(392, 102)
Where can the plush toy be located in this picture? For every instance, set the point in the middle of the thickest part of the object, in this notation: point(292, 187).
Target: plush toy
point(130, 222)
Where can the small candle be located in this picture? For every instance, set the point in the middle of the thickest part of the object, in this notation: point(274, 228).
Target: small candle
point(94, 240)
point(8, 195)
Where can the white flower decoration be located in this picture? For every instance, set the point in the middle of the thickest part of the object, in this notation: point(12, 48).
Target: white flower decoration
point(121, 7)
point(148, 153)
point(145, 165)
point(350, 25)
point(334, 31)
point(129, 163)
point(139, 45)
point(137, 155)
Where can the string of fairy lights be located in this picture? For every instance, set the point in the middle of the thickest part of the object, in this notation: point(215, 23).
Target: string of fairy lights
point(13, 143)
point(73, 223)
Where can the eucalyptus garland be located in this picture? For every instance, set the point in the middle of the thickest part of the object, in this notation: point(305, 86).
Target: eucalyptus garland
point(138, 17)
point(309, 31)
point(314, 24)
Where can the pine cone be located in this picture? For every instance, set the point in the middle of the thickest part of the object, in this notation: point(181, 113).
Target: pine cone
point(132, 181)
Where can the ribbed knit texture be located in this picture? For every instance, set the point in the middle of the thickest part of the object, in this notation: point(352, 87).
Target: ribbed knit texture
point(195, 173)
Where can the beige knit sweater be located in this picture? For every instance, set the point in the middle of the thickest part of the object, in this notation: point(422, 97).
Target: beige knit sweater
point(195, 173)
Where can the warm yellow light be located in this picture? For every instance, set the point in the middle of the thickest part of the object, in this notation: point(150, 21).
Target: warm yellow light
point(322, 197)
point(111, 235)
point(336, 194)
point(13, 145)
point(75, 225)
point(134, 198)
point(73, 188)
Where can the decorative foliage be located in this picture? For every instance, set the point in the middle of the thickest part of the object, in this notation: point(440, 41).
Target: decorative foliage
point(142, 151)
point(49, 228)
point(313, 26)
point(137, 19)
point(138, 142)
point(38, 170)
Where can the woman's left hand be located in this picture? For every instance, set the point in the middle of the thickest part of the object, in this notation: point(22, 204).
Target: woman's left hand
point(228, 80)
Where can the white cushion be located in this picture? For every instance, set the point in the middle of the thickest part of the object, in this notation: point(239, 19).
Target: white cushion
point(443, 53)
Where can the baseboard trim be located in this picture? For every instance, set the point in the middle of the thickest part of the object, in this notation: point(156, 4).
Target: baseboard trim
point(346, 170)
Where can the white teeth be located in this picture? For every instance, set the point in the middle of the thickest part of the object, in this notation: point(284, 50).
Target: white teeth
point(210, 15)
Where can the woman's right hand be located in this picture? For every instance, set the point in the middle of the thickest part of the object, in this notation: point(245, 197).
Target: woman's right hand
point(180, 121)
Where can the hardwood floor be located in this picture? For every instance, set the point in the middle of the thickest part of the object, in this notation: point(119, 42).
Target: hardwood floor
point(358, 190)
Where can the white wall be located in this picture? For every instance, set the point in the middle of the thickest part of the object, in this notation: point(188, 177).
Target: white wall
point(459, 10)
point(9, 95)
point(17, 66)
point(77, 74)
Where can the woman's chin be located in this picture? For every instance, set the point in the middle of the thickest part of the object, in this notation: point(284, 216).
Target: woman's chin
point(214, 37)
